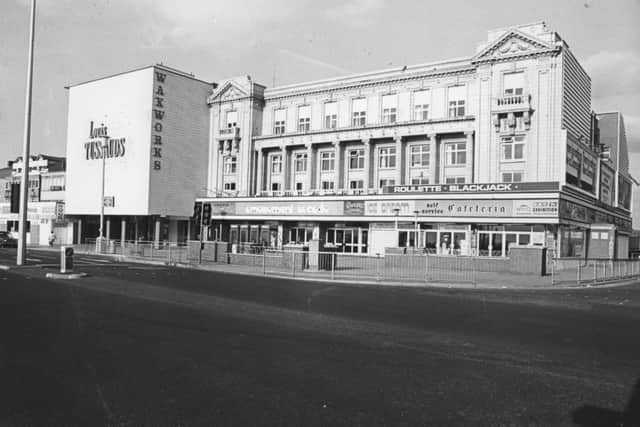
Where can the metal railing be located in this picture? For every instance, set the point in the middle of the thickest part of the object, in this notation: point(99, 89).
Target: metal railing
point(581, 271)
point(162, 251)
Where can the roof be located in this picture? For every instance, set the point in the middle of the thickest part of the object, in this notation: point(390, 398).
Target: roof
point(160, 66)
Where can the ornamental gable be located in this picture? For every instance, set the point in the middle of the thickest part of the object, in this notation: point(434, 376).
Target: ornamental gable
point(511, 45)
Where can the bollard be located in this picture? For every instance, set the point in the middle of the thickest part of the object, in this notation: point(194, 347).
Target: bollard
point(66, 259)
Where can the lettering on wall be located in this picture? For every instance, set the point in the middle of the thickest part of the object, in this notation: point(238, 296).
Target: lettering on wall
point(97, 147)
point(158, 120)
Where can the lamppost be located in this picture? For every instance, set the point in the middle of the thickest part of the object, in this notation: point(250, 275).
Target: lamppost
point(104, 156)
point(415, 213)
point(24, 195)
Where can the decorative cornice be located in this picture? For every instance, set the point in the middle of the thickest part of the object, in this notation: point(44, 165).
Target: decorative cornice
point(373, 83)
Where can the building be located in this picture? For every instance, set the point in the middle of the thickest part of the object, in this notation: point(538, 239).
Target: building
point(46, 198)
point(143, 135)
point(465, 156)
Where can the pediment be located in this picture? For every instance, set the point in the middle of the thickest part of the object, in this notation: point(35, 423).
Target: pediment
point(228, 91)
point(512, 44)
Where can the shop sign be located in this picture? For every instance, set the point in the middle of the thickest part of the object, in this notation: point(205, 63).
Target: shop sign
point(59, 211)
point(158, 120)
point(97, 147)
point(465, 208)
point(354, 208)
point(225, 208)
point(329, 208)
point(513, 187)
point(382, 225)
point(389, 208)
point(537, 208)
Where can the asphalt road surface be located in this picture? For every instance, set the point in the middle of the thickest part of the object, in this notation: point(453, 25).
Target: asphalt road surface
point(136, 345)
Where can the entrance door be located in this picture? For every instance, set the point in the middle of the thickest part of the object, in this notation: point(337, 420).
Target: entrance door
point(348, 240)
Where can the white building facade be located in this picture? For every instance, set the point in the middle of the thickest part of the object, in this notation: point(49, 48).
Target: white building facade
point(466, 156)
point(142, 135)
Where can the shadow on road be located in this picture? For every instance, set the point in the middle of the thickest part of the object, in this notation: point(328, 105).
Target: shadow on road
point(593, 416)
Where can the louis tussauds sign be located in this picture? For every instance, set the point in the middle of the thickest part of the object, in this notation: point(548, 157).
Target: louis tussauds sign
point(96, 148)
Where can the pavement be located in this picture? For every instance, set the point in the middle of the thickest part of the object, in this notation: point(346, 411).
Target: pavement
point(134, 344)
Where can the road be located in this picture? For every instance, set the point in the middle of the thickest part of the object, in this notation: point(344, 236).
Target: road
point(137, 344)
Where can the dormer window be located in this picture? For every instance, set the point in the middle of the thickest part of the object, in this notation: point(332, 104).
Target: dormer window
point(421, 100)
point(280, 117)
point(331, 115)
point(359, 113)
point(513, 84)
point(457, 100)
point(389, 108)
point(232, 119)
point(304, 118)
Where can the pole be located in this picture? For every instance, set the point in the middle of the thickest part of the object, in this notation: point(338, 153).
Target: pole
point(22, 241)
point(104, 152)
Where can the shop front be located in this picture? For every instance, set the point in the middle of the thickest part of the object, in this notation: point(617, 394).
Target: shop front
point(439, 224)
point(43, 218)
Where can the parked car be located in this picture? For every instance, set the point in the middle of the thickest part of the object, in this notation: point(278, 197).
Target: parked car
point(7, 241)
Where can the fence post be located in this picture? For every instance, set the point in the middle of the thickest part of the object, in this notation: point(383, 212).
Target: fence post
point(553, 271)
point(473, 273)
point(264, 261)
point(151, 252)
point(170, 259)
point(333, 265)
point(595, 271)
point(293, 264)
point(579, 272)
point(426, 268)
point(378, 268)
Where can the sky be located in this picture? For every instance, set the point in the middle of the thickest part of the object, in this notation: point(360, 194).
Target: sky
point(288, 41)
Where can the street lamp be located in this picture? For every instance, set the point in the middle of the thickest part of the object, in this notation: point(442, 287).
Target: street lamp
point(415, 213)
point(24, 182)
point(104, 156)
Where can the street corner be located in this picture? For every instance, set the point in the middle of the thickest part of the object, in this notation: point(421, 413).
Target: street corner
point(66, 276)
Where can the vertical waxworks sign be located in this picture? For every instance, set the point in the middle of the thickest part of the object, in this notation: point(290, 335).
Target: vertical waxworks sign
point(158, 120)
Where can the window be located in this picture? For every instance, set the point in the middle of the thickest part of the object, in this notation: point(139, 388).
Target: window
point(359, 108)
point(301, 162)
point(327, 185)
point(299, 186)
point(387, 157)
point(420, 181)
point(280, 118)
point(513, 148)
point(421, 100)
point(420, 155)
point(456, 153)
point(331, 115)
point(327, 161)
point(304, 118)
point(276, 186)
point(387, 183)
point(232, 119)
point(389, 108)
point(276, 163)
point(356, 159)
point(512, 177)
point(456, 101)
point(229, 164)
point(455, 180)
point(356, 184)
point(229, 186)
point(513, 84)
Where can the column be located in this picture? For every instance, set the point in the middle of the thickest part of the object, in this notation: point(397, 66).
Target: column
point(399, 161)
point(339, 170)
point(286, 168)
point(260, 177)
point(156, 234)
point(80, 231)
point(368, 170)
point(470, 157)
point(123, 231)
point(108, 228)
point(310, 164)
point(219, 166)
point(434, 158)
